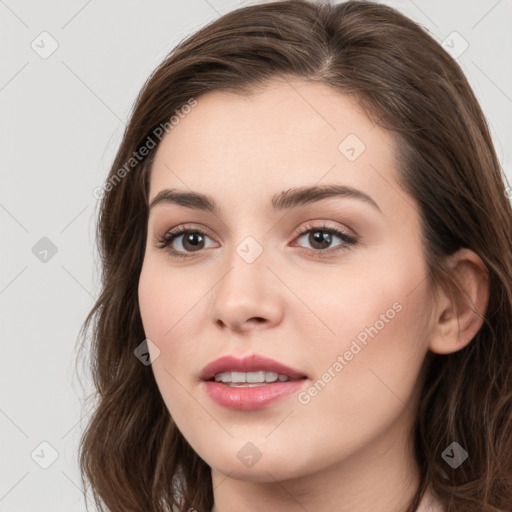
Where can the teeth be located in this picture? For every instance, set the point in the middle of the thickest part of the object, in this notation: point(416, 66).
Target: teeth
point(238, 377)
point(250, 377)
point(257, 377)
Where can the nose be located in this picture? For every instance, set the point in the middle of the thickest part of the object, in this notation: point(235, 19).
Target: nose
point(248, 296)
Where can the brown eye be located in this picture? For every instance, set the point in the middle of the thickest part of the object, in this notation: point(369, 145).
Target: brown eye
point(181, 242)
point(320, 239)
point(192, 241)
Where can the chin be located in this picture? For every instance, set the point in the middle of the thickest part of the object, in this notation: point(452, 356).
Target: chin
point(266, 469)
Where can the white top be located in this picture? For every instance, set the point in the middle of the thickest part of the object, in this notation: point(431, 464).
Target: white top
point(429, 503)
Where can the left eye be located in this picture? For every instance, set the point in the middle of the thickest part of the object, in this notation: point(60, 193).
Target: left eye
point(321, 238)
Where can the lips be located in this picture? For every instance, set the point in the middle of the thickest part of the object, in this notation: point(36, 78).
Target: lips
point(250, 396)
point(252, 363)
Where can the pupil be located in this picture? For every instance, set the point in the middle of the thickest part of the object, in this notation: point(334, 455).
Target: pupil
point(321, 237)
point(190, 239)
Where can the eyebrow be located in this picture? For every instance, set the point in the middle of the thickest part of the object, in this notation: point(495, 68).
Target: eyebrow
point(284, 200)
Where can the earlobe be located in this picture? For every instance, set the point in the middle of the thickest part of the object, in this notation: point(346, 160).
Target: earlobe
point(460, 310)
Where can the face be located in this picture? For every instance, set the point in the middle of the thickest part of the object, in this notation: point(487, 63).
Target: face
point(333, 287)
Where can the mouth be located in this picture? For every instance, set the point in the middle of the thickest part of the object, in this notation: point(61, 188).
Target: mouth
point(250, 383)
point(235, 379)
point(249, 370)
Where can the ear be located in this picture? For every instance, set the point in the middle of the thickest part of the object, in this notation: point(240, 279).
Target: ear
point(459, 312)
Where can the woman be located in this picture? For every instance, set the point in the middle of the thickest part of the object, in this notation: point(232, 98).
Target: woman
point(307, 302)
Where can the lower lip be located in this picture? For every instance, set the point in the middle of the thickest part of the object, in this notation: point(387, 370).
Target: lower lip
point(251, 398)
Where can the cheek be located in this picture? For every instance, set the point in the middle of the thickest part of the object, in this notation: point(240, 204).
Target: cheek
point(168, 300)
point(369, 364)
point(173, 316)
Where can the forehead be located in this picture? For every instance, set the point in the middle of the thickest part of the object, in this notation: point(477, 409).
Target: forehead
point(291, 133)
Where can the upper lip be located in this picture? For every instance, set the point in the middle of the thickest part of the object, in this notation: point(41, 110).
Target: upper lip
point(252, 363)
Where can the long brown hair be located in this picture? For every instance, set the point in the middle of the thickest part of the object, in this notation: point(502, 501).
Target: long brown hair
point(131, 452)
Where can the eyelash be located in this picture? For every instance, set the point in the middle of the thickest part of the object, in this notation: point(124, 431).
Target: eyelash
point(164, 241)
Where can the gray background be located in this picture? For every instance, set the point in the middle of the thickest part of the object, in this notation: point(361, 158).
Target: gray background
point(62, 120)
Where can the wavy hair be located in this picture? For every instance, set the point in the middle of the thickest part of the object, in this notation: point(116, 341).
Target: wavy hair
point(131, 452)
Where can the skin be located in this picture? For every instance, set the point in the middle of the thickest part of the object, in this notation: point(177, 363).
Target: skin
point(348, 448)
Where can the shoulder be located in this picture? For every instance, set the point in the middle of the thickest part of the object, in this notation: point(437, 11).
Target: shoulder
point(429, 503)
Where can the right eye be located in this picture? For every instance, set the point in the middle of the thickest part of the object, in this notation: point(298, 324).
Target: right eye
point(192, 240)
